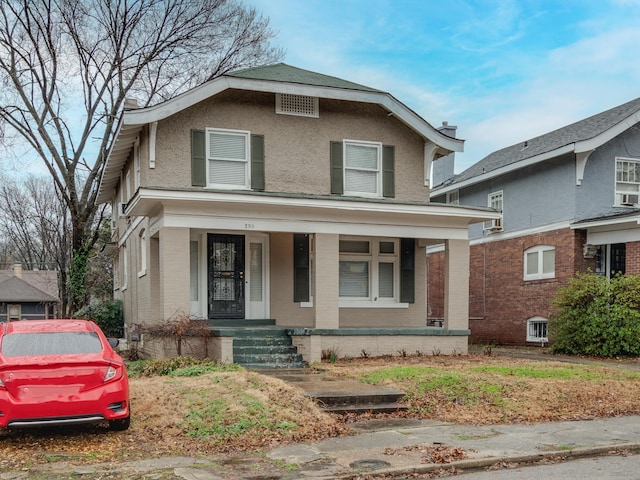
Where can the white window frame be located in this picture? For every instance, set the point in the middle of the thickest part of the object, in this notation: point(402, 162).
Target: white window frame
point(629, 196)
point(125, 268)
point(453, 198)
point(377, 170)
point(539, 250)
point(495, 225)
point(246, 185)
point(14, 312)
point(531, 330)
point(127, 180)
point(142, 253)
point(136, 164)
point(374, 258)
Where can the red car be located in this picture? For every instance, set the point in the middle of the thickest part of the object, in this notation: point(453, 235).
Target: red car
point(60, 372)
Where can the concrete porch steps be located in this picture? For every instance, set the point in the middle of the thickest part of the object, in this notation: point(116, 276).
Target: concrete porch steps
point(265, 348)
point(342, 395)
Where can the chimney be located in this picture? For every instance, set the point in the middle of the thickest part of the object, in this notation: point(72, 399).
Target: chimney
point(130, 103)
point(17, 270)
point(443, 167)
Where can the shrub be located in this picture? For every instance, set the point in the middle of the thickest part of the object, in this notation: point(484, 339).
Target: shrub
point(597, 316)
point(107, 314)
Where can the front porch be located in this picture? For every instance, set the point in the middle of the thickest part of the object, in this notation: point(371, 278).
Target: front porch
point(263, 344)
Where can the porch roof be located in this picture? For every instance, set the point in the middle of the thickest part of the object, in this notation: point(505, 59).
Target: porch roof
point(264, 211)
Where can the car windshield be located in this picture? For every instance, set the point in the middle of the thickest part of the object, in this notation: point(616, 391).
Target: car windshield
point(50, 343)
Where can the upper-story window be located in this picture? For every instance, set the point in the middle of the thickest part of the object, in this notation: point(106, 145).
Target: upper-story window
point(495, 201)
point(627, 182)
point(540, 262)
point(228, 158)
point(362, 168)
point(453, 198)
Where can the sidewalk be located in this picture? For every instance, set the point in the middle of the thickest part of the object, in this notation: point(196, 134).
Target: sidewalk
point(402, 446)
point(388, 449)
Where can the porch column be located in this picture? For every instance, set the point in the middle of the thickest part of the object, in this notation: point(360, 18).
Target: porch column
point(174, 272)
point(456, 285)
point(326, 281)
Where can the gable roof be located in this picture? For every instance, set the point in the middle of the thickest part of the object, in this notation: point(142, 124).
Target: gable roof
point(17, 290)
point(278, 78)
point(580, 137)
point(281, 72)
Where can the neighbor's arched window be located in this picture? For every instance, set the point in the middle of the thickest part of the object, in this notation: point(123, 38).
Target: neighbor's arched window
point(540, 262)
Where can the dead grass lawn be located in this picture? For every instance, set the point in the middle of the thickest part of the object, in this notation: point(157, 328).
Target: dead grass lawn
point(465, 395)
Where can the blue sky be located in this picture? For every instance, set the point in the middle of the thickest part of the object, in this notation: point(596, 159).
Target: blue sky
point(502, 71)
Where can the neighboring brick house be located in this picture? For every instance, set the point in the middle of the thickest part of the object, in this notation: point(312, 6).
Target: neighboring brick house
point(28, 294)
point(570, 203)
point(283, 198)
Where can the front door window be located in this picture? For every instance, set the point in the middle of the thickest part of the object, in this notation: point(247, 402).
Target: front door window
point(226, 296)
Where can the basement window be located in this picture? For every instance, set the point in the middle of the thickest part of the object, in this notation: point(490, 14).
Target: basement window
point(537, 330)
point(298, 105)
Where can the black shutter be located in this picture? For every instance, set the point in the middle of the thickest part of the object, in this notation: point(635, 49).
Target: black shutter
point(388, 171)
point(407, 270)
point(337, 173)
point(301, 268)
point(198, 159)
point(257, 162)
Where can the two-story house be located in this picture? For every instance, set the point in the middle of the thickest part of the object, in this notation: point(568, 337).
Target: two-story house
point(279, 198)
point(569, 202)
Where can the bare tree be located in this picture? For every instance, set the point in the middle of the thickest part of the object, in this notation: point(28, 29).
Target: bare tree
point(35, 227)
point(66, 67)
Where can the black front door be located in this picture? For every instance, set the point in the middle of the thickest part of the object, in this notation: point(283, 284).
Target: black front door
point(226, 276)
point(618, 258)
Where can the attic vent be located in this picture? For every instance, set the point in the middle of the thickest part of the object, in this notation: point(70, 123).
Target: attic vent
point(300, 105)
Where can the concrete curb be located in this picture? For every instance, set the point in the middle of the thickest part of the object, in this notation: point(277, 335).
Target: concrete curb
point(481, 463)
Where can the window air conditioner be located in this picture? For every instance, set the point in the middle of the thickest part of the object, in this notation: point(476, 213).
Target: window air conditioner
point(493, 225)
point(630, 199)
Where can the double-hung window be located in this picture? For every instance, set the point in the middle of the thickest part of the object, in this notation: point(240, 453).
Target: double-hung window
point(540, 262)
point(369, 270)
point(495, 201)
point(627, 182)
point(228, 158)
point(362, 161)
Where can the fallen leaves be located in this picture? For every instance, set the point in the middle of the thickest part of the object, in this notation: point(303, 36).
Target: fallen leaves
point(437, 453)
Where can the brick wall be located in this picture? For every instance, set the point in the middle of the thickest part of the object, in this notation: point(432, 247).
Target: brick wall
point(500, 301)
point(632, 258)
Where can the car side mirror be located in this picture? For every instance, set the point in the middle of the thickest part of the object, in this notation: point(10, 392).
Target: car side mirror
point(114, 342)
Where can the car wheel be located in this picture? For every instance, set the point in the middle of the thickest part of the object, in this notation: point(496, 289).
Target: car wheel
point(120, 424)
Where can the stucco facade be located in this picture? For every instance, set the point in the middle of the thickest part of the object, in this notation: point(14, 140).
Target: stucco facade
point(288, 245)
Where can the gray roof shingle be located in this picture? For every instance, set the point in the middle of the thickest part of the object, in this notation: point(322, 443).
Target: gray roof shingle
point(281, 72)
point(15, 289)
point(576, 132)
